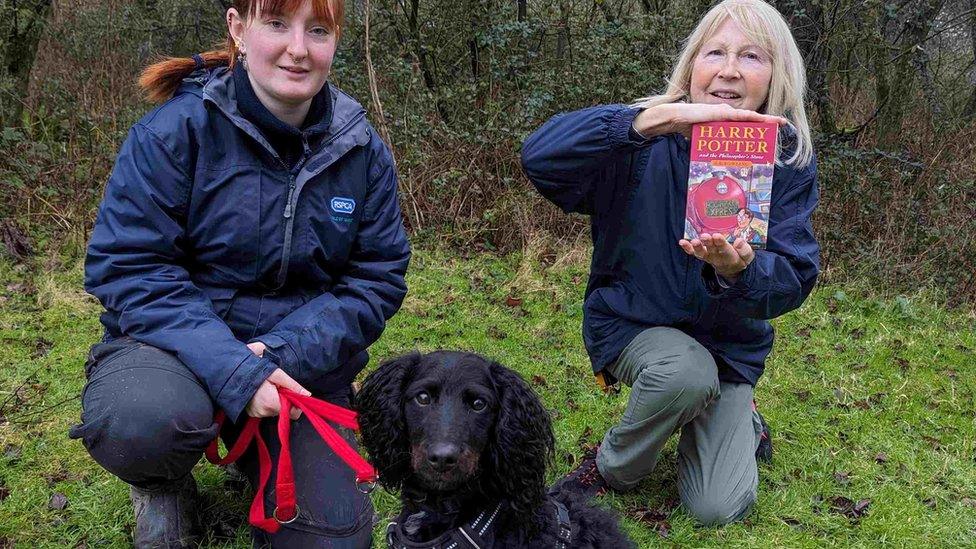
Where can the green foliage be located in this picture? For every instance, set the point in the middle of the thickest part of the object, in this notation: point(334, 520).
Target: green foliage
point(868, 399)
point(896, 220)
point(462, 83)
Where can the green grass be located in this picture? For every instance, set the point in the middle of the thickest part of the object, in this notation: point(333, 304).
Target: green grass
point(869, 399)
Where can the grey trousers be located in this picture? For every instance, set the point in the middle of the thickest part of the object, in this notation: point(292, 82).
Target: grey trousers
point(146, 419)
point(674, 386)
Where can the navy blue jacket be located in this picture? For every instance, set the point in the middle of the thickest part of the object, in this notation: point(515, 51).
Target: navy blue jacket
point(634, 191)
point(206, 240)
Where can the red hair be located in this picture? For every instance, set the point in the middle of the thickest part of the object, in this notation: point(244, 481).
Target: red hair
point(160, 80)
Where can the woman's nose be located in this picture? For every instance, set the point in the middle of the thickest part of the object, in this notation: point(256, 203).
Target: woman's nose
point(730, 69)
point(296, 46)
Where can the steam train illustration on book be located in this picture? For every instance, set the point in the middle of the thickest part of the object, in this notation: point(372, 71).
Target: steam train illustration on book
point(733, 201)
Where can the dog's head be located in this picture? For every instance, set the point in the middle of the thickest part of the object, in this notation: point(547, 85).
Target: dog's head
point(448, 419)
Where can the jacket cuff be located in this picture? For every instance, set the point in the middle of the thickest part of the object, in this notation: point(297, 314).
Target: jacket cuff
point(242, 384)
point(279, 351)
point(621, 129)
point(718, 290)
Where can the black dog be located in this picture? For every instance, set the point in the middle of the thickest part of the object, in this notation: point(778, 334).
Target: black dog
point(466, 442)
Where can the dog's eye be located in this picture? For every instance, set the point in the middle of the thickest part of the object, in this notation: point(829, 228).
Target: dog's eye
point(422, 398)
point(478, 404)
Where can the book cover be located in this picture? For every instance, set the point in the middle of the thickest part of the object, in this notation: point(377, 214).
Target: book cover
point(730, 180)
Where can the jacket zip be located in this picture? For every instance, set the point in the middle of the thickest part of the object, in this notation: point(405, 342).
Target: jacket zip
point(293, 193)
point(306, 153)
point(294, 190)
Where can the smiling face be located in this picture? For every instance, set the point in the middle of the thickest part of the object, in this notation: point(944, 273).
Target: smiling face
point(730, 68)
point(289, 55)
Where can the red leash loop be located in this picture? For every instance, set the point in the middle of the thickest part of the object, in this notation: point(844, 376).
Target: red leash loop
point(318, 413)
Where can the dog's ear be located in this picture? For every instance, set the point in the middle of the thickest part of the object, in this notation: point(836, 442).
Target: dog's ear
point(522, 443)
point(380, 406)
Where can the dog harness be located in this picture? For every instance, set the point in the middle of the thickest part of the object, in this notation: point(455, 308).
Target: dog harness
point(317, 412)
point(477, 534)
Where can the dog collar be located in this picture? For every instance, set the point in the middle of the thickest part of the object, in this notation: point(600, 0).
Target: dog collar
point(564, 536)
point(442, 503)
point(477, 534)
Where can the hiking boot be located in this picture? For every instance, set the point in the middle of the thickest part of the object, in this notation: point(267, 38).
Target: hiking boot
point(585, 481)
point(764, 453)
point(166, 516)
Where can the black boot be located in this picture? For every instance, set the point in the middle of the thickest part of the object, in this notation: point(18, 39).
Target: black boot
point(166, 516)
point(764, 452)
point(585, 481)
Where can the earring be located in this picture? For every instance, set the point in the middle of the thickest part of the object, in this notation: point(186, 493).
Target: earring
point(241, 56)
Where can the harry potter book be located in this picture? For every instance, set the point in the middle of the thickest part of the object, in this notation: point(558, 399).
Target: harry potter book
point(730, 180)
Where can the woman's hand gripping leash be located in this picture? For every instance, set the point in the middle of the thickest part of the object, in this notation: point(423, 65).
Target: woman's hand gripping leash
point(318, 413)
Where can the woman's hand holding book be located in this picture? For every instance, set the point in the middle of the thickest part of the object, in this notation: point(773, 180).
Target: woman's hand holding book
point(728, 260)
point(679, 117)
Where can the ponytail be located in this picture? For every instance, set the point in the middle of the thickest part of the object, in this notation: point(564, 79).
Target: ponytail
point(160, 80)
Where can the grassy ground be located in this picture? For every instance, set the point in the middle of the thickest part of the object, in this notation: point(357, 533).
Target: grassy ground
point(871, 402)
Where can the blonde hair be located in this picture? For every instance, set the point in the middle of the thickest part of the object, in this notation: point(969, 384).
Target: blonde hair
point(787, 84)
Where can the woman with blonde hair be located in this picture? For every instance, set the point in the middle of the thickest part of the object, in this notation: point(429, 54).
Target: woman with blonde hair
point(686, 323)
point(250, 239)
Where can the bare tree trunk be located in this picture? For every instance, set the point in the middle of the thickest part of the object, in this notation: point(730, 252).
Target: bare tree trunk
point(475, 63)
point(562, 36)
point(420, 53)
point(914, 31)
point(521, 10)
point(921, 62)
point(474, 25)
point(374, 93)
point(970, 110)
point(921, 26)
point(807, 19)
point(22, 38)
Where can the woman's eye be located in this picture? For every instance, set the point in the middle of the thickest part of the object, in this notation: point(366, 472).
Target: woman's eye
point(319, 31)
point(478, 404)
point(276, 25)
point(751, 55)
point(422, 398)
point(714, 52)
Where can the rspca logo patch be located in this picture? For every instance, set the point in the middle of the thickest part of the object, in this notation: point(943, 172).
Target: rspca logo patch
point(343, 205)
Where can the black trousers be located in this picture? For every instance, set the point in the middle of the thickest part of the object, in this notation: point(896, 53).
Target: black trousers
point(147, 419)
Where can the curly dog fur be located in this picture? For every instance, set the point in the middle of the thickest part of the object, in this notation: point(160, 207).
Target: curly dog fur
point(454, 433)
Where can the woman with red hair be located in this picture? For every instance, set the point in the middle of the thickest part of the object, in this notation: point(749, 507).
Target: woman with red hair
point(249, 239)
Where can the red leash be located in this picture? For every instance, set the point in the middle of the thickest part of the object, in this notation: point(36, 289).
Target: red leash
point(317, 412)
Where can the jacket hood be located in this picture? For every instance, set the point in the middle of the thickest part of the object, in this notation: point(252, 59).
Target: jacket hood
point(216, 86)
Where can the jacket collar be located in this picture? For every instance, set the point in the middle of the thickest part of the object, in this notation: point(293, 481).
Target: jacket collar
point(348, 116)
point(289, 141)
point(316, 120)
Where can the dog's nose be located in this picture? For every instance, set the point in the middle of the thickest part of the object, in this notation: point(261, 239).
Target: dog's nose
point(443, 455)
